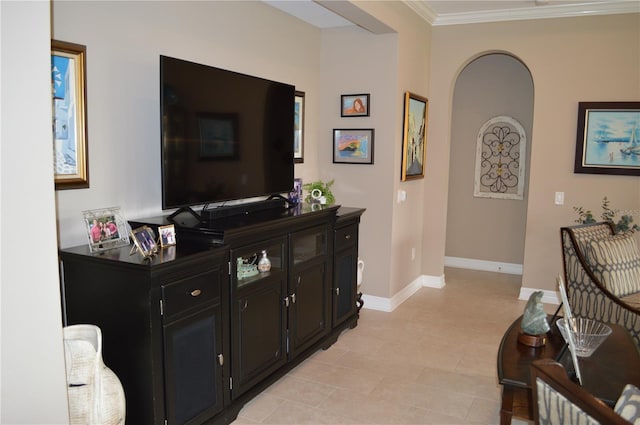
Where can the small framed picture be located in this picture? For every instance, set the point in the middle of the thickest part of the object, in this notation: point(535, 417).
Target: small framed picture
point(353, 146)
point(145, 241)
point(295, 196)
point(167, 235)
point(106, 229)
point(354, 105)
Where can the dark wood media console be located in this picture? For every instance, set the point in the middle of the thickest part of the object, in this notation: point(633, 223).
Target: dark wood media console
point(190, 338)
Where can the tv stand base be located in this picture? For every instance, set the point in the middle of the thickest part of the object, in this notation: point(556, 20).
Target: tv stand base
point(241, 209)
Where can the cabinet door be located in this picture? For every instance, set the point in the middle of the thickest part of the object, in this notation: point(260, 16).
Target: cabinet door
point(308, 307)
point(345, 273)
point(193, 367)
point(259, 333)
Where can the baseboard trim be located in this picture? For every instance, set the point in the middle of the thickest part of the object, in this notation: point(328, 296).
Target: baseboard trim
point(488, 266)
point(548, 297)
point(389, 304)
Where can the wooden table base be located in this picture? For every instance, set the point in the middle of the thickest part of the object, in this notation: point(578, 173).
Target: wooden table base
point(515, 402)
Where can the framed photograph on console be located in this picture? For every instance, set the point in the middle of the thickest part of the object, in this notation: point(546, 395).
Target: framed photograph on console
point(167, 235)
point(69, 93)
point(608, 138)
point(106, 229)
point(145, 241)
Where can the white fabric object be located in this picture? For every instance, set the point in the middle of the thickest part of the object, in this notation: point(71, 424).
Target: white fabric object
point(95, 393)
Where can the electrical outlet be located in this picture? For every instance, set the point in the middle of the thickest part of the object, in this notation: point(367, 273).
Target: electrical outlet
point(413, 253)
point(559, 198)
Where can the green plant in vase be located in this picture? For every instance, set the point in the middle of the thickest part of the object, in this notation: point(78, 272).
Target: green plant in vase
point(319, 192)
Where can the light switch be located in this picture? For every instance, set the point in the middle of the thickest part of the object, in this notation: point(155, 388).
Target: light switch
point(559, 198)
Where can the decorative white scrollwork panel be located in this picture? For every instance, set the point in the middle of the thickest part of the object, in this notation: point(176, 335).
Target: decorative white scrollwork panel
point(500, 159)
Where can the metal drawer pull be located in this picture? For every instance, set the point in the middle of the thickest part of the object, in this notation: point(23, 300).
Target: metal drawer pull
point(293, 298)
point(220, 359)
point(195, 292)
point(347, 237)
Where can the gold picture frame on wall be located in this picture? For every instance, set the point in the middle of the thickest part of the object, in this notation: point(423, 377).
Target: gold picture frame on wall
point(68, 97)
point(414, 140)
point(298, 128)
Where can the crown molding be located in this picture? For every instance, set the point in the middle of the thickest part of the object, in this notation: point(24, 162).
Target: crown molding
point(542, 12)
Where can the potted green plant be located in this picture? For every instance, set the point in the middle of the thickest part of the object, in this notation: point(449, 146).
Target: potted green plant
point(624, 223)
point(319, 192)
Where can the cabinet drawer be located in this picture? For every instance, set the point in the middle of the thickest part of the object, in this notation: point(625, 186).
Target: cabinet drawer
point(346, 236)
point(191, 292)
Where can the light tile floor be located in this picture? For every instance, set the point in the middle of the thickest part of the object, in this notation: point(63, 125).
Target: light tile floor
point(431, 361)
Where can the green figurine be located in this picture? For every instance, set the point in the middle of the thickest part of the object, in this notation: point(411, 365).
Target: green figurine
point(534, 319)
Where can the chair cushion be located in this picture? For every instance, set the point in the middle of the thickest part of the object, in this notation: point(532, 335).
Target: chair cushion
point(615, 261)
point(556, 409)
point(628, 405)
point(632, 300)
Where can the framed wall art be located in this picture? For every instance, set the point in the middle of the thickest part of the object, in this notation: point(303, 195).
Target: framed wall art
point(353, 146)
point(354, 105)
point(69, 101)
point(500, 159)
point(414, 141)
point(608, 138)
point(106, 229)
point(298, 128)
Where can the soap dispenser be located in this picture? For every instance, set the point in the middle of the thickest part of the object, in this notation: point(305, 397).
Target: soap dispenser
point(264, 264)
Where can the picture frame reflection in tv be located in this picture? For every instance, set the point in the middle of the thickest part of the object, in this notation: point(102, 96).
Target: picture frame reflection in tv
point(218, 135)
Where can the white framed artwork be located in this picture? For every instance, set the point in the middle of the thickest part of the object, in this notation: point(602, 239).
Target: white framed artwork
point(500, 159)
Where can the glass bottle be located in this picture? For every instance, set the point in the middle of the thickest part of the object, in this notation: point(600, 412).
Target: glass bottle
point(264, 264)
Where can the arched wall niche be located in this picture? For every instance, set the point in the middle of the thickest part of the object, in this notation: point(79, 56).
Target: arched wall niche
point(482, 232)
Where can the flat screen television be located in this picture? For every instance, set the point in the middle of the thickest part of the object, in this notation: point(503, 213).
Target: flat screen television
point(225, 135)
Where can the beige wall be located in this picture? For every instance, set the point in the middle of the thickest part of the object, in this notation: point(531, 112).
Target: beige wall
point(478, 228)
point(356, 61)
point(571, 59)
point(123, 86)
point(395, 229)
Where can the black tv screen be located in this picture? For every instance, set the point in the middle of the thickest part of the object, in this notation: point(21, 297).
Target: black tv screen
point(225, 135)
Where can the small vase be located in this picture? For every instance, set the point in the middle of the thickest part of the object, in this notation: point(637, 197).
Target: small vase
point(264, 265)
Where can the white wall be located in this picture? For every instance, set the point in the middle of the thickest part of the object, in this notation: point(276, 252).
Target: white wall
point(33, 379)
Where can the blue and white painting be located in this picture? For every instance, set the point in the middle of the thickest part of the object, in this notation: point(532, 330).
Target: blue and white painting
point(64, 108)
point(612, 138)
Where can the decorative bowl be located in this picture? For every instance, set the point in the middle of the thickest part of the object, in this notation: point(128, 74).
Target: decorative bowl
point(587, 334)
